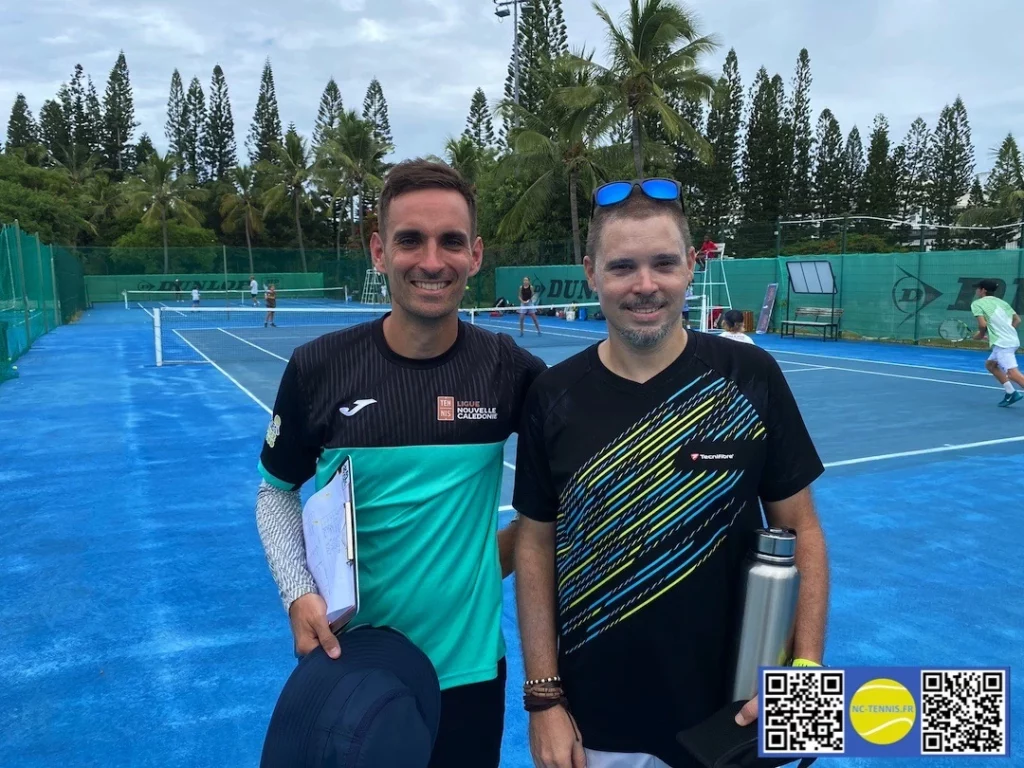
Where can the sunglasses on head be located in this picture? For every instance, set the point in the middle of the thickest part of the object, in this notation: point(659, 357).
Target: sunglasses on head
point(615, 192)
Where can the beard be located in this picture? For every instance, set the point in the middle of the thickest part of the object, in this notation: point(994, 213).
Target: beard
point(645, 338)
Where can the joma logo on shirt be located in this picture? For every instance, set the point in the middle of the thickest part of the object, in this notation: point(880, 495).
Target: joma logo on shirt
point(448, 409)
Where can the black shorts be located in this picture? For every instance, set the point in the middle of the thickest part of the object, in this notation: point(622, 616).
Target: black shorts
point(472, 723)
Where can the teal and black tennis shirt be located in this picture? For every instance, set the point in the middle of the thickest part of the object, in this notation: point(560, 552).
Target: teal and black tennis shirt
point(426, 439)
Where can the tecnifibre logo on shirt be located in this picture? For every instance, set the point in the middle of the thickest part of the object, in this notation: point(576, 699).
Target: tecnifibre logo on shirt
point(450, 409)
point(712, 456)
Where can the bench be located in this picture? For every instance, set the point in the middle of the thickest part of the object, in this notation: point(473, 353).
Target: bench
point(825, 318)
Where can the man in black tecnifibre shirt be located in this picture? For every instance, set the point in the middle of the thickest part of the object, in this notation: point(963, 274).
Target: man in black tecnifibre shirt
point(641, 464)
point(423, 404)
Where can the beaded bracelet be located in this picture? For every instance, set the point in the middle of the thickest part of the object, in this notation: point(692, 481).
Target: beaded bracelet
point(541, 681)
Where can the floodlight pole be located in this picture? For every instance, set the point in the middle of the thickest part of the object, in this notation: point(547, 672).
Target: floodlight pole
point(501, 11)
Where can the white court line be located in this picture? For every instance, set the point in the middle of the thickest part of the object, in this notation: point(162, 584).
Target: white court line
point(229, 377)
point(919, 452)
point(255, 346)
point(510, 465)
point(904, 376)
point(923, 451)
point(599, 335)
point(172, 309)
point(875, 362)
point(145, 310)
point(801, 370)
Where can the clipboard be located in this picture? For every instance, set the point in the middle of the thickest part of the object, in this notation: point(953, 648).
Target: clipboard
point(332, 549)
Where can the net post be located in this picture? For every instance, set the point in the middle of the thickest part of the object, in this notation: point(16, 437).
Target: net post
point(58, 315)
point(24, 284)
point(156, 337)
point(125, 294)
point(42, 283)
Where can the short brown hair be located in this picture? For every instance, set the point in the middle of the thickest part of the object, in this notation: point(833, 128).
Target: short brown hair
point(413, 175)
point(636, 206)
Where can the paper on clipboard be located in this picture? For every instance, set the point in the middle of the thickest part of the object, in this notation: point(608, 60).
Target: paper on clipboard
point(329, 529)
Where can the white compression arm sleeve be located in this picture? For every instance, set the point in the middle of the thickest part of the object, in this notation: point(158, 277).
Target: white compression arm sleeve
point(279, 520)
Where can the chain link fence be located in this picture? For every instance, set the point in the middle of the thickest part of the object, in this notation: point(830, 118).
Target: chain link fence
point(41, 288)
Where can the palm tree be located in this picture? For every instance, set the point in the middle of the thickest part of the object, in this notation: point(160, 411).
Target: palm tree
point(161, 195)
point(290, 179)
point(559, 146)
point(465, 156)
point(648, 67)
point(242, 203)
point(351, 148)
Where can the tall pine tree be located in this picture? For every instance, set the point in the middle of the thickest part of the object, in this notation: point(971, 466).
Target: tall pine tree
point(194, 119)
point(83, 133)
point(914, 171)
point(22, 131)
point(174, 128)
point(375, 111)
point(764, 171)
point(784, 154)
point(219, 153)
point(952, 166)
point(721, 178)
point(329, 115)
point(265, 131)
point(144, 151)
point(801, 197)
point(1007, 172)
point(479, 126)
point(93, 133)
point(55, 130)
point(855, 166)
point(880, 183)
point(830, 191)
point(118, 118)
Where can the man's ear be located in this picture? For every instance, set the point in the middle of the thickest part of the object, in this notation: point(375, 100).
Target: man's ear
point(691, 259)
point(478, 256)
point(377, 252)
point(588, 270)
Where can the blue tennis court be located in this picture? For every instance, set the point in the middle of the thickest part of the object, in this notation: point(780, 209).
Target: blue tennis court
point(141, 623)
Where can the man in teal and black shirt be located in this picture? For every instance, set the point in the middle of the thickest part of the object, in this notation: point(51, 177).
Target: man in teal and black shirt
point(423, 404)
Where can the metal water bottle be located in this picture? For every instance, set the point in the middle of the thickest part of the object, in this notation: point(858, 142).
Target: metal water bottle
point(770, 584)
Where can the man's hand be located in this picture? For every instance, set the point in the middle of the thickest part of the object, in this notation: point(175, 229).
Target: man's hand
point(748, 714)
point(555, 741)
point(308, 616)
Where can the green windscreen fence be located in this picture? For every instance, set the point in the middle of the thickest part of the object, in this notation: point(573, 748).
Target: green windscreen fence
point(41, 288)
point(885, 296)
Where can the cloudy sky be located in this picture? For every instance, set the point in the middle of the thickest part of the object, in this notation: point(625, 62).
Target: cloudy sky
point(904, 58)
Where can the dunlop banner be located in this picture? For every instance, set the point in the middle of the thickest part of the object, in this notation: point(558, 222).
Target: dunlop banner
point(109, 287)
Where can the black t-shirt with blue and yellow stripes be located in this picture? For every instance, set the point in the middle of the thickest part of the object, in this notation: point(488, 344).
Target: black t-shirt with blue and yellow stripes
point(655, 489)
point(426, 439)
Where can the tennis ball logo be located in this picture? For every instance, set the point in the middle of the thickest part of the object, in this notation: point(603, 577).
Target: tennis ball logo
point(882, 711)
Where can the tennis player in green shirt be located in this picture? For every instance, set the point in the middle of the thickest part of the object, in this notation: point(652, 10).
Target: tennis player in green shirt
point(999, 322)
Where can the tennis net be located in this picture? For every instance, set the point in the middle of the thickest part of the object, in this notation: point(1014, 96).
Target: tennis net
point(217, 335)
point(302, 297)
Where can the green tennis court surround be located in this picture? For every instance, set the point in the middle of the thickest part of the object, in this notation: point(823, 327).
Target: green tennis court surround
point(886, 296)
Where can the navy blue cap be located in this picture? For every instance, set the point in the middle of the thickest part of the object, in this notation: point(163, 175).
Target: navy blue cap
point(379, 704)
